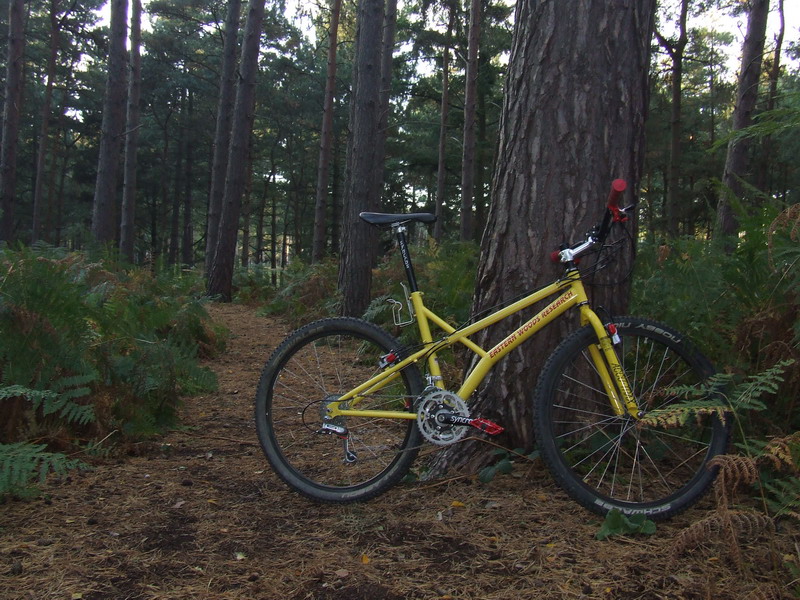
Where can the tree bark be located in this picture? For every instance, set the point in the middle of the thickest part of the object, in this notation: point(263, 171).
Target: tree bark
point(326, 138)
point(222, 135)
point(44, 131)
point(358, 239)
point(573, 120)
point(177, 185)
point(746, 97)
point(441, 172)
point(11, 111)
point(187, 241)
point(766, 156)
point(675, 49)
point(470, 115)
point(220, 279)
point(113, 128)
point(384, 110)
point(127, 231)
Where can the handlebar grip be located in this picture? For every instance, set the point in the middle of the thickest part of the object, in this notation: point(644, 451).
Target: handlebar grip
point(617, 187)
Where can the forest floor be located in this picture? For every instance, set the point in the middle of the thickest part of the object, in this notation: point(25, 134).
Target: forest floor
point(199, 514)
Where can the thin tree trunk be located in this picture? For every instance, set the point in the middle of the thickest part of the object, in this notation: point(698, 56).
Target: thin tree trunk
point(273, 242)
point(470, 113)
point(746, 97)
point(187, 242)
point(219, 166)
point(220, 279)
point(441, 172)
point(326, 138)
point(128, 220)
point(44, 132)
point(177, 186)
point(246, 212)
point(675, 49)
point(11, 112)
point(766, 156)
point(387, 55)
point(105, 192)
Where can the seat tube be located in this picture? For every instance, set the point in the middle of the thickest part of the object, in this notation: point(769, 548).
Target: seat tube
point(426, 337)
point(402, 242)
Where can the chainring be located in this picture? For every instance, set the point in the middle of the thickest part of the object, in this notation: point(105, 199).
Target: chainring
point(432, 405)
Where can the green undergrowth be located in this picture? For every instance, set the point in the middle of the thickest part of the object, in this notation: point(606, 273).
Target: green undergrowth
point(302, 292)
point(92, 352)
point(742, 308)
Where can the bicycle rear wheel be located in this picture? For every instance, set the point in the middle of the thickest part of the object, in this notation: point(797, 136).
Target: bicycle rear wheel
point(313, 367)
point(605, 461)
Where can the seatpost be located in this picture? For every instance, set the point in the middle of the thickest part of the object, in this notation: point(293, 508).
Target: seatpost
point(399, 230)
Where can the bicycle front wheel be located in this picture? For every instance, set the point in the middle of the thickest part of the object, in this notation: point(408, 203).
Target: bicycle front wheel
point(356, 458)
point(605, 461)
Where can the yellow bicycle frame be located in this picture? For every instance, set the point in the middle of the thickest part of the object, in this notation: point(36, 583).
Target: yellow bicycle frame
point(570, 292)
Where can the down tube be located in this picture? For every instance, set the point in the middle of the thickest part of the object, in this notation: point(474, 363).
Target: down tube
point(549, 313)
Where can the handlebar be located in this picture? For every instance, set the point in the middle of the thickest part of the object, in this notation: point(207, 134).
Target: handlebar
point(598, 234)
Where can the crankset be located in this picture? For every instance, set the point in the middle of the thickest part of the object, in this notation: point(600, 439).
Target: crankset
point(443, 418)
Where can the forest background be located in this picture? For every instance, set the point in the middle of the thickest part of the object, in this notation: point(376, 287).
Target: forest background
point(128, 199)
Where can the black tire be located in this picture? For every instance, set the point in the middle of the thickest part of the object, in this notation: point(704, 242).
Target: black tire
point(604, 461)
point(314, 365)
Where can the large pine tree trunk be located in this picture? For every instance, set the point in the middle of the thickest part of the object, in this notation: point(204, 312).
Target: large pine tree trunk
point(104, 211)
point(573, 120)
point(746, 97)
point(127, 229)
point(11, 110)
point(220, 278)
point(358, 239)
point(222, 135)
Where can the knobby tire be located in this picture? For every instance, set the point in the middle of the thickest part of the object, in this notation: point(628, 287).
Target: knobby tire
point(312, 367)
point(604, 461)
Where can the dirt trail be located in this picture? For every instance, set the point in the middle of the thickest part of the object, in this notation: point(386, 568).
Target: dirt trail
point(198, 514)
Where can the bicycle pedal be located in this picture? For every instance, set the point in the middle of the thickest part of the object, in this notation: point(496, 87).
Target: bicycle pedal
point(487, 426)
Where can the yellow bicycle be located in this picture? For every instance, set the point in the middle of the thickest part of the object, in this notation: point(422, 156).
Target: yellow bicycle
point(342, 407)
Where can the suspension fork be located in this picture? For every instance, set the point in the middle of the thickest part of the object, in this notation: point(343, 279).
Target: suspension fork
point(612, 374)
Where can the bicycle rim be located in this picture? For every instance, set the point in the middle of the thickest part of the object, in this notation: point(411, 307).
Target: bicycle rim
point(607, 461)
point(308, 374)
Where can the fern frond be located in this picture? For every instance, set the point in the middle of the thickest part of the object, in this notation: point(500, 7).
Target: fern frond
point(36, 397)
point(743, 525)
point(734, 471)
point(784, 498)
point(781, 453)
point(55, 403)
point(23, 463)
point(718, 396)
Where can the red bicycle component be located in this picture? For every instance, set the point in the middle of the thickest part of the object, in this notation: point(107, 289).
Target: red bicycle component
point(618, 186)
point(487, 426)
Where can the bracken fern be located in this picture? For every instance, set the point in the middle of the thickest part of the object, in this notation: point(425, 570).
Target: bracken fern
point(23, 463)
